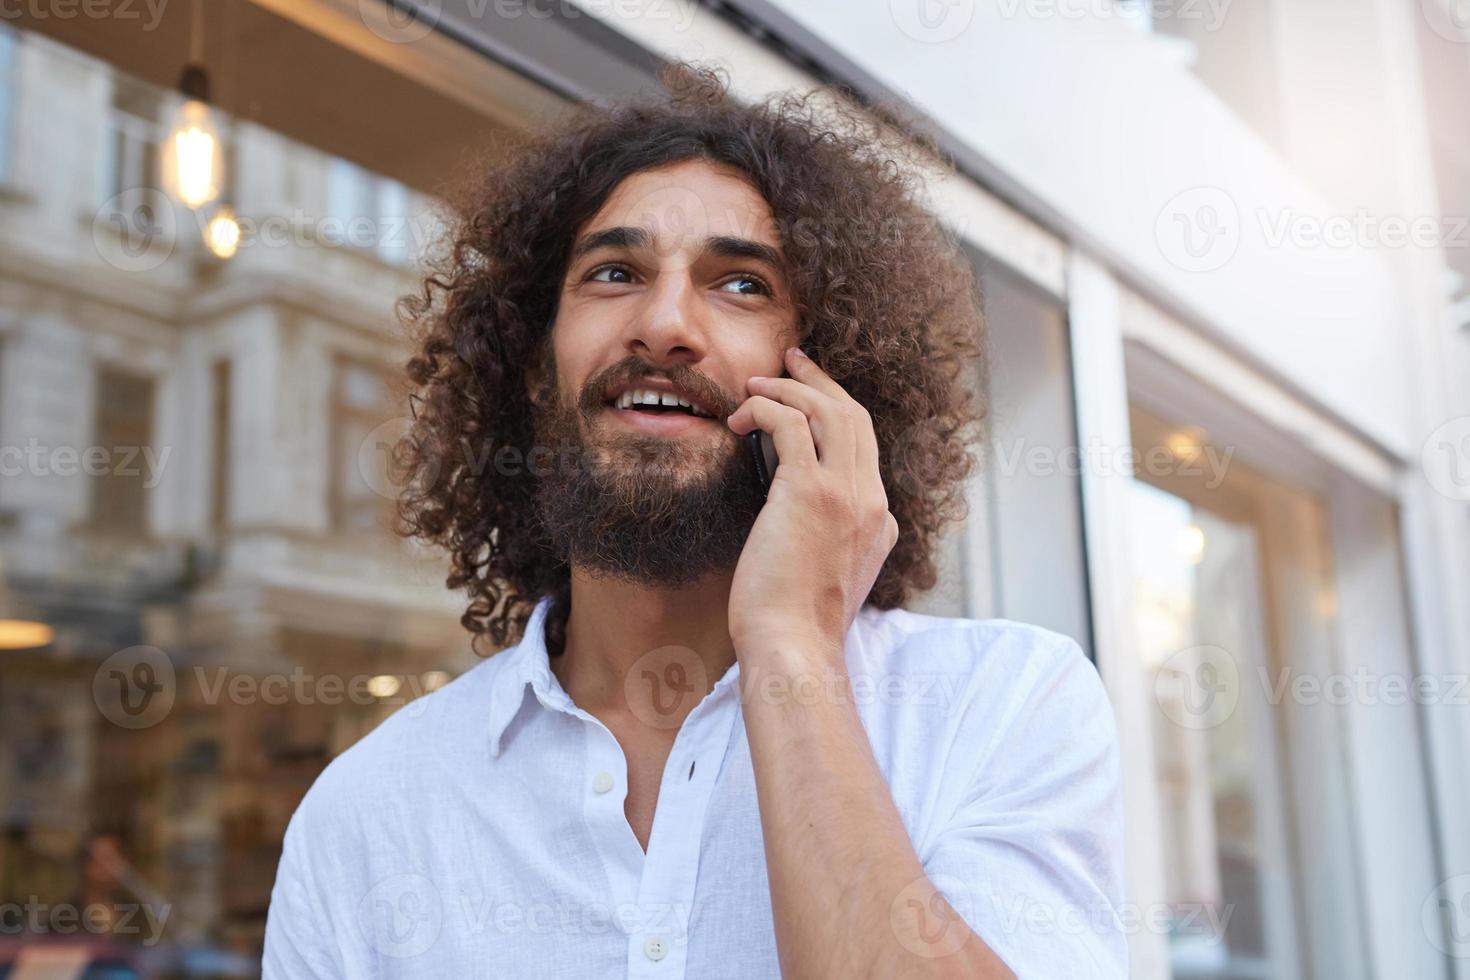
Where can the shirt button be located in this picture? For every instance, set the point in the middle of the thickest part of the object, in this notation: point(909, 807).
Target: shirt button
point(655, 948)
point(602, 782)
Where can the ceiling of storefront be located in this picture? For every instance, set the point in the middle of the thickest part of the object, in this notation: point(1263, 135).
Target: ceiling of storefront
point(316, 72)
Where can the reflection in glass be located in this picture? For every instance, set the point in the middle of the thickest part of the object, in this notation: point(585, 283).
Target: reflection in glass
point(1196, 584)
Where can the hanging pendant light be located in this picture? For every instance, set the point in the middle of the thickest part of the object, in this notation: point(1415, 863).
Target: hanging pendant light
point(20, 627)
point(24, 634)
point(222, 234)
point(193, 159)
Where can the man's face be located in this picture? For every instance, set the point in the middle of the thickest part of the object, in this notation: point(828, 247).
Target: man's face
point(677, 285)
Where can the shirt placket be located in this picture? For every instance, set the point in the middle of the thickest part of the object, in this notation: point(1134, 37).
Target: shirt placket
point(654, 892)
point(660, 949)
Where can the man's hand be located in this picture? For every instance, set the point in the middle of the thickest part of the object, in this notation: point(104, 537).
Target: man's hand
point(825, 530)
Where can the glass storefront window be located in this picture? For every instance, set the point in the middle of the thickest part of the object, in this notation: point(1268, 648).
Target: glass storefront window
point(1019, 554)
point(205, 519)
point(1234, 597)
point(1196, 588)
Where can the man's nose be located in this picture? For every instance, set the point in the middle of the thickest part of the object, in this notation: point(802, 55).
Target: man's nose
point(670, 324)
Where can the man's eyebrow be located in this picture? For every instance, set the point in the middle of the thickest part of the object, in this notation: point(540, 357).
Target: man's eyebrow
point(623, 236)
point(730, 247)
point(725, 246)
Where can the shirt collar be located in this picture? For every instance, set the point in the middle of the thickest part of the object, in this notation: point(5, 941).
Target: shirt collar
point(525, 663)
point(528, 663)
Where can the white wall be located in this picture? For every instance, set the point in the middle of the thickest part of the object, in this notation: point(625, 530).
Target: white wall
point(1091, 125)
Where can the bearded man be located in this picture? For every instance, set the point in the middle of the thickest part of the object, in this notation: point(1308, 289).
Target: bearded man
point(717, 745)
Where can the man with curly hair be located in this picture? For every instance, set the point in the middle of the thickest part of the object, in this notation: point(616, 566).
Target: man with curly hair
point(717, 745)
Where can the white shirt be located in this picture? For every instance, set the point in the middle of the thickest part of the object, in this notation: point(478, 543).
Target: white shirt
point(480, 831)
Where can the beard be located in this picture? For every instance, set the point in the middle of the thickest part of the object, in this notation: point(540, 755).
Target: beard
point(659, 511)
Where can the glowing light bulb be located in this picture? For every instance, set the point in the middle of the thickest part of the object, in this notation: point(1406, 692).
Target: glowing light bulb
point(222, 234)
point(23, 634)
point(1187, 444)
point(1191, 544)
point(193, 162)
point(384, 685)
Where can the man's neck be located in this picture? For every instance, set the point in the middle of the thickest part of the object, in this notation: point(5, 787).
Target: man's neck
point(614, 623)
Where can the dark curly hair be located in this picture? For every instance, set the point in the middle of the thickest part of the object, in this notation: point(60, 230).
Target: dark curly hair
point(886, 303)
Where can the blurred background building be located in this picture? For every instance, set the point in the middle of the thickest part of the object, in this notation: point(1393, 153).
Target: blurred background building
point(1224, 248)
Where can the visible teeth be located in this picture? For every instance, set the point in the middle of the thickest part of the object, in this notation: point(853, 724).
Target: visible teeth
point(644, 396)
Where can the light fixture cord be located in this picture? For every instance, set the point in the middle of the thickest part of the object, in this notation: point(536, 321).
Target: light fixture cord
point(196, 33)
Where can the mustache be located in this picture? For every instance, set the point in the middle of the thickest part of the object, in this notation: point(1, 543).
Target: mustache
point(632, 368)
point(631, 507)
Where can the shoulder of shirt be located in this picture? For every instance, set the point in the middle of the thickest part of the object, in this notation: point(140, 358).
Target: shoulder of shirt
point(931, 640)
point(1007, 679)
point(404, 746)
point(1001, 662)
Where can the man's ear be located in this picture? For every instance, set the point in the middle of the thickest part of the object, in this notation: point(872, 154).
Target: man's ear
point(536, 371)
point(539, 383)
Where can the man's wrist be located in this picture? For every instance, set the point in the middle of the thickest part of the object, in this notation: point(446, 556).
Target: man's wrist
point(793, 667)
point(789, 647)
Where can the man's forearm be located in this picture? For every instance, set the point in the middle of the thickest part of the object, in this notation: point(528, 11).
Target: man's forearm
point(848, 893)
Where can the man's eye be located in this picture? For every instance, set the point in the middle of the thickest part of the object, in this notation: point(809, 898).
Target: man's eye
point(607, 272)
point(746, 285)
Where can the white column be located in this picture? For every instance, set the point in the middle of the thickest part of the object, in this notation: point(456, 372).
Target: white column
point(178, 506)
point(1102, 421)
point(49, 387)
point(1436, 523)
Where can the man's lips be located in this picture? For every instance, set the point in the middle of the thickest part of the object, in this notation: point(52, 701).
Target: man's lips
point(665, 423)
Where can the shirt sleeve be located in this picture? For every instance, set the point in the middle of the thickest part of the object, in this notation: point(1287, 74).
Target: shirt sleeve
point(299, 936)
point(1032, 856)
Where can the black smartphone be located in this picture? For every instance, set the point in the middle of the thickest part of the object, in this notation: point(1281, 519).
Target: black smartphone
point(763, 452)
point(762, 449)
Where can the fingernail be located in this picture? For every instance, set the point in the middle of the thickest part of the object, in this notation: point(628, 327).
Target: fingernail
point(757, 377)
point(798, 352)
